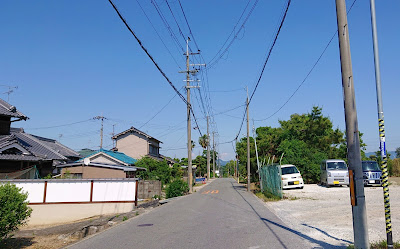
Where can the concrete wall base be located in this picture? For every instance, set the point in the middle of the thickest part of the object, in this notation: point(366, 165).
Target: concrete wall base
point(49, 214)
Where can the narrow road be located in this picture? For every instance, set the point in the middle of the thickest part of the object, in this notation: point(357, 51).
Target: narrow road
point(220, 215)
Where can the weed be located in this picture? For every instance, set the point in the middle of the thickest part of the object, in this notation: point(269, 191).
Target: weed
point(137, 213)
point(379, 245)
point(266, 196)
point(124, 218)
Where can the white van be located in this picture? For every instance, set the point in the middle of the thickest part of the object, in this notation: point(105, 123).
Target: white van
point(334, 172)
point(291, 177)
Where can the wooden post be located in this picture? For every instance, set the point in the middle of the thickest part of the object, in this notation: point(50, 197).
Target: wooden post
point(136, 192)
point(45, 191)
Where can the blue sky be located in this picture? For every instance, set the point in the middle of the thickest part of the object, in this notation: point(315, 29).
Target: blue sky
point(74, 60)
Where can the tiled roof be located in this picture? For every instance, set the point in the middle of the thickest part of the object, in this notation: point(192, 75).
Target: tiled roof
point(102, 165)
point(40, 148)
point(36, 147)
point(22, 157)
point(56, 146)
point(10, 111)
point(134, 130)
point(115, 154)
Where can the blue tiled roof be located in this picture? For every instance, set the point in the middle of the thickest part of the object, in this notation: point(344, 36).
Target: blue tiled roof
point(115, 154)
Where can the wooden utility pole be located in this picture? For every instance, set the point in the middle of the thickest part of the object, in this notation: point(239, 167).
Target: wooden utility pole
point(248, 141)
point(360, 228)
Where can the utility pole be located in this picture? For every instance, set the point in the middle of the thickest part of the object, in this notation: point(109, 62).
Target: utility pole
point(101, 130)
point(360, 228)
point(255, 146)
point(112, 135)
point(208, 149)
point(213, 156)
point(189, 129)
point(248, 141)
point(382, 137)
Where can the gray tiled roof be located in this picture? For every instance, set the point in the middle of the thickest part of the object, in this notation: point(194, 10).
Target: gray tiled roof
point(13, 157)
point(10, 111)
point(36, 147)
point(40, 148)
point(134, 130)
point(101, 165)
point(56, 146)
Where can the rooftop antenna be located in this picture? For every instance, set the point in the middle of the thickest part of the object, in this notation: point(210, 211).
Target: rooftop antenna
point(10, 90)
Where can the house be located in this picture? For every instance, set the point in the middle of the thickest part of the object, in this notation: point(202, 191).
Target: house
point(137, 144)
point(101, 164)
point(20, 150)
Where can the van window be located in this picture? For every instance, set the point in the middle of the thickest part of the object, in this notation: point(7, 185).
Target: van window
point(289, 170)
point(370, 166)
point(336, 165)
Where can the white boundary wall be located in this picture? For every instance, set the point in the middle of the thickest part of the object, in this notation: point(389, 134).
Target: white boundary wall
point(65, 200)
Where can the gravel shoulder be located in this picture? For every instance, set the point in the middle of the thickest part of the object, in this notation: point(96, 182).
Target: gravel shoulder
point(325, 213)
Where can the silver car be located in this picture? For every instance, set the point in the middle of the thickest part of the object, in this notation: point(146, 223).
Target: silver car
point(334, 172)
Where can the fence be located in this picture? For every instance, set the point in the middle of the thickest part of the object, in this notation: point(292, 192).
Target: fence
point(271, 179)
point(148, 189)
point(64, 200)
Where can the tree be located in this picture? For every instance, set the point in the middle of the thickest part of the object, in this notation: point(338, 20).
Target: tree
point(14, 209)
point(203, 141)
point(398, 152)
point(156, 170)
point(304, 140)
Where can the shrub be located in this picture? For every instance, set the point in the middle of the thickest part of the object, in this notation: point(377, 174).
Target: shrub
point(396, 167)
point(176, 188)
point(14, 209)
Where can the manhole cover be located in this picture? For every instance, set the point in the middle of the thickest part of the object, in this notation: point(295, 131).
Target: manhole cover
point(145, 225)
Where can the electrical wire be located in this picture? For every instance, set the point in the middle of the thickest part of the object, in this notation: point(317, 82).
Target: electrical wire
point(308, 74)
point(56, 126)
point(158, 34)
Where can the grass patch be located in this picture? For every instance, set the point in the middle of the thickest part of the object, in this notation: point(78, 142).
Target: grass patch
point(124, 218)
point(267, 196)
point(379, 245)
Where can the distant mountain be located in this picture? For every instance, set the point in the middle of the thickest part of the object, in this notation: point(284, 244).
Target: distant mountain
point(222, 162)
point(392, 154)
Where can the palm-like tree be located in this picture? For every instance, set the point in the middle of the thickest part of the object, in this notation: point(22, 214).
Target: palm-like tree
point(203, 141)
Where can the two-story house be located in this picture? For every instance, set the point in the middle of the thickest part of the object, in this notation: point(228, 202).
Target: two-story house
point(137, 144)
point(20, 150)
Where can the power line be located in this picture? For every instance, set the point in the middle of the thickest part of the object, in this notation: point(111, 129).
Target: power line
point(157, 112)
point(56, 126)
point(148, 54)
point(308, 74)
point(214, 62)
point(158, 34)
point(270, 50)
point(264, 65)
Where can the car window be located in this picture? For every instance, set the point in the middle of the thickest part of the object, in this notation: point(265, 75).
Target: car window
point(370, 166)
point(337, 165)
point(289, 170)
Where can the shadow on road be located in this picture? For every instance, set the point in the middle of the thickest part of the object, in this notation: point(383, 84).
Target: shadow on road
point(268, 222)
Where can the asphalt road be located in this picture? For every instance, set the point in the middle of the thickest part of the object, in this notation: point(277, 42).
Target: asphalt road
point(220, 215)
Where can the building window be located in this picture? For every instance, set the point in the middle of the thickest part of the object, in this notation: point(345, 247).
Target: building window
point(153, 150)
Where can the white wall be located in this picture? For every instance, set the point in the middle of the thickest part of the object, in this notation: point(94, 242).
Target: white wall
point(77, 190)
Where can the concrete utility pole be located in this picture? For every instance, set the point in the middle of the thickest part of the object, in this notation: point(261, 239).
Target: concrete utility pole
point(382, 137)
point(213, 156)
point(255, 146)
point(248, 141)
point(360, 227)
point(189, 129)
point(208, 149)
point(101, 130)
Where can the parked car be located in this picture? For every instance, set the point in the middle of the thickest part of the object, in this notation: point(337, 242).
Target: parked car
point(372, 173)
point(334, 172)
point(291, 177)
